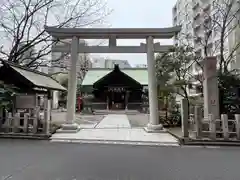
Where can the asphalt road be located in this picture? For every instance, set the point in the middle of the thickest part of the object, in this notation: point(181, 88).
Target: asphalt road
point(42, 160)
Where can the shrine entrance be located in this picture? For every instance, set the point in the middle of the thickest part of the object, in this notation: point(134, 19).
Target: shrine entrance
point(116, 98)
point(117, 89)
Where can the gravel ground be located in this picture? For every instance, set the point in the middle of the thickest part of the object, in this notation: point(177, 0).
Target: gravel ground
point(60, 118)
point(138, 120)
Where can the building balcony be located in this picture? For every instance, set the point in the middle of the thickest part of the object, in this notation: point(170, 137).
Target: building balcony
point(195, 5)
point(175, 21)
point(198, 43)
point(206, 6)
point(174, 9)
point(174, 14)
point(198, 39)
point(197, 74)
point(196, 28)
point(195, 94)
point(206, 18)
point(196, 82)
point(197, 22)
point(196, 15)
point(198, 50)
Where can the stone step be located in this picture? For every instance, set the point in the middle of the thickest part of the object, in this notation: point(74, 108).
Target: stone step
point(105, 112)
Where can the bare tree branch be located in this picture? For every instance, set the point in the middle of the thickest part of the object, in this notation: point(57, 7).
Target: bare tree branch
point(25, 40)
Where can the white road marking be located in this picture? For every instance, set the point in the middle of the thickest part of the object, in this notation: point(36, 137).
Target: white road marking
point(212, 147)
point(191, 146)
point(199, 146)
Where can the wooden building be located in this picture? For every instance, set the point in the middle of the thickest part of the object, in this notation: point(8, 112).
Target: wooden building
point(31, 95)
point(115, 88)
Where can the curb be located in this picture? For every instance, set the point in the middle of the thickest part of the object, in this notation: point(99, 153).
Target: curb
point(210, 143)
point(25, 137)
point(180, 139)
point(102, 140)
point(193, 142)
point(117, 142)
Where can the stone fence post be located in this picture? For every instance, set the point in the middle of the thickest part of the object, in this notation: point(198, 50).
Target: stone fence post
point(1, 117)
point(212, 126)
point(35, 120)
point(224, 119)
point(198, 120)
point(47, 114)
point(26, 122)
point(237, 119)
point(184, 117)
point(16, 122)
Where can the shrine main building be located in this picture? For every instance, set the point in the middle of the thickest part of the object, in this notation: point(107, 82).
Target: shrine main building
point(116, 89)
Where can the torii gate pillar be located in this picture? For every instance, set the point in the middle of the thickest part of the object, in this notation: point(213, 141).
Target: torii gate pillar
point(154, 124)
point(70, 125)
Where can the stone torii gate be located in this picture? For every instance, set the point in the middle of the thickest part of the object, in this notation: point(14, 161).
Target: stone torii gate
point(112, 34)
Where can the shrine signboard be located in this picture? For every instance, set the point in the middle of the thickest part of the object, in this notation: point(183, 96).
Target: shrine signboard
point(116, 89)
point(25, 101)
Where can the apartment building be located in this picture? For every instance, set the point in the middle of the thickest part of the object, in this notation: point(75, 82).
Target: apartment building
point(61, 63)
point(29, 56)
point(109, 63)
point(141, 65)
point(199, 31)
point(182, 14)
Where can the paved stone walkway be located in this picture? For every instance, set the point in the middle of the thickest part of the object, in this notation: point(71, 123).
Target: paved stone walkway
point(115, 128)
point(114, 121)
point(117, 135)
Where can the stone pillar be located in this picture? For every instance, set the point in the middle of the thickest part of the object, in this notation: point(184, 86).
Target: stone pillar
point(210, 87)
point(72, 89)
point(198, 121)
point(153, 125)
point(55, 99)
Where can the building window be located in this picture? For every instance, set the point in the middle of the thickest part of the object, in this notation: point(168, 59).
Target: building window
point(199, 89)
point(198, 67)
point(190, 86)
point(198, 53)
point(217, 43)
point(216, 29)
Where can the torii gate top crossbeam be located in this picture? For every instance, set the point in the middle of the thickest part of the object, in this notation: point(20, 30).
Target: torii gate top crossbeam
point(119, 33)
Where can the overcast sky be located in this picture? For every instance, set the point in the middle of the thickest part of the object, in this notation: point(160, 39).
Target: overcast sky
point(139, 14)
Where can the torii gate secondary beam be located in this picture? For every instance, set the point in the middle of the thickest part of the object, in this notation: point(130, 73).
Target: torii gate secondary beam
point(113, 49)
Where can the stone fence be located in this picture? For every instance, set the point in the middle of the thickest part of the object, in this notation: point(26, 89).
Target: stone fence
point(24, 124)
point(197, 127)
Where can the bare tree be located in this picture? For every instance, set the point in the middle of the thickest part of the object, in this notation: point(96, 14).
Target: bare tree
point(220, 23)
point(24, 40)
